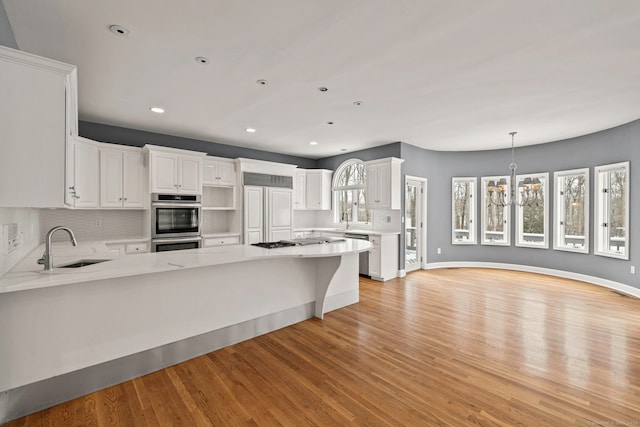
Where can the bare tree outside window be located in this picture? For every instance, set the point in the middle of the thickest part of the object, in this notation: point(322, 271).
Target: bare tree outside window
point(612, 210)
point(571, 228)
point(495, 217)
point(463, 210)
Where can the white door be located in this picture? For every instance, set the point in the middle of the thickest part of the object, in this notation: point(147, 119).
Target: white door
point(227, 173)
point(300, 191)
point(87, 179)
point(253, 214)
point(279, 210)
point(133, 186)
point(189, 170)
point(414, 224)
point(110, 179)
point(164, 169)
point(372, 186)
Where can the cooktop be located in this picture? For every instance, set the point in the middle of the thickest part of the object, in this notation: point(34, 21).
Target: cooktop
point(272, 245)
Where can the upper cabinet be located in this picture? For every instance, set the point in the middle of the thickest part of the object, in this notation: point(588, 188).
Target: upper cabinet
point(218, 171)
point(384, 183)
point(300, 190)
point(38, 118)
point(122, 178)
point(82, 182)
point(318, 189)
point(312, 189)
point(175, 171)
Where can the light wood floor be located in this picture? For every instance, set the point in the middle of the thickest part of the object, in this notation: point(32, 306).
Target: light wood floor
point(454, 347)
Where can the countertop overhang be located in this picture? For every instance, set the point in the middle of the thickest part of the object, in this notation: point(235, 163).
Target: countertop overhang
point(27, 275)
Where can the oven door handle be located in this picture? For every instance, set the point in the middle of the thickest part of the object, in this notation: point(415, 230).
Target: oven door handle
point(177, 240)
point(176, 205)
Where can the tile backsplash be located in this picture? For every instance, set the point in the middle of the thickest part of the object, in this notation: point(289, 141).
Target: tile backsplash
point(95, 224)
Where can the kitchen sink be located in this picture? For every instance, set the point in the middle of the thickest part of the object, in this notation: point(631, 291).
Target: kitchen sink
point(83, 263)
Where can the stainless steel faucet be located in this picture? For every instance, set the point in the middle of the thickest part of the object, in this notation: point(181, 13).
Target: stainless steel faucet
point(47, 258)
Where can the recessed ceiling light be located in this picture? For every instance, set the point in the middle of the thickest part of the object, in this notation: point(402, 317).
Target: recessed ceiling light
point(202, 60)
point(250, 130)
point(329, 123)
point(119, 30)
point(313, 143)
point(357, 103)
point(322, 89)
point(262, 82)
point(343, 149)
point(158, 110)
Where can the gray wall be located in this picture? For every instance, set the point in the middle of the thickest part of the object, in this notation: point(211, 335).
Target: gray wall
point(381, 152)
point(6, 33)
point(138, 138)
point(610, 146)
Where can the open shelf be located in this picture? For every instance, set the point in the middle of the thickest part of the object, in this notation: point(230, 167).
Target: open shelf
point(218, 198)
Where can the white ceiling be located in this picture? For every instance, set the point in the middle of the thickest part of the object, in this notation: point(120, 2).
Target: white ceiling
point(443, 75)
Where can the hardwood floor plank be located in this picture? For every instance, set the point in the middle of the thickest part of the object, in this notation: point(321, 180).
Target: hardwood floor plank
point(472, 347)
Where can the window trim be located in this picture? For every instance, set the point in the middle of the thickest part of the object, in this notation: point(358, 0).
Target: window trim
point(506, 215)
point(473, 235)
point(600, 207)
point(559, 208)
point(519, 215)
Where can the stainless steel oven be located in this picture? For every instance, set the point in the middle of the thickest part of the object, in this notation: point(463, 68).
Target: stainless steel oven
point(175, 215)
point(175, 244)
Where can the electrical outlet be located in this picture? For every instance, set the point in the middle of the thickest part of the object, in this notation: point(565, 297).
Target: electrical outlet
point(439, 251)
point(98, 223)
point(633, 269)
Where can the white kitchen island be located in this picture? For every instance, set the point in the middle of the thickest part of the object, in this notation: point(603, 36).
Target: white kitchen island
point(68, 332)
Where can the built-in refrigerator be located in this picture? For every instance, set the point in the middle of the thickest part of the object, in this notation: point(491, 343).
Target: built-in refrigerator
point(268, 214)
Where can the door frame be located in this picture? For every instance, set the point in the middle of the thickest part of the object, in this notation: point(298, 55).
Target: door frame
point(422, 234)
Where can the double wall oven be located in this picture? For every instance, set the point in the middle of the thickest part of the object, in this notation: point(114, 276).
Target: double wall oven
point(175, 222)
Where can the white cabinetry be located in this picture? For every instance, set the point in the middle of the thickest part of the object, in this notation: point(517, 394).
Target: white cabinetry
point(82, 174)
point(218, 184)
point(318, 191)
point(38, 117)
point(312, 189)
point(232, 239)
point(121, 178)
point(300, 190)
point(174, 171)
point(384, 183)
point(383, 257)
point(129, 248)
point(218, 171)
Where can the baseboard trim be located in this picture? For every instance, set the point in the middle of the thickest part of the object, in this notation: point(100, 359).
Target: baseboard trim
point(610, 284)
point(24, 400)
point(402, 273)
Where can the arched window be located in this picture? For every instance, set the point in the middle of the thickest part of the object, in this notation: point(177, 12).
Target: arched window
point(349, 196)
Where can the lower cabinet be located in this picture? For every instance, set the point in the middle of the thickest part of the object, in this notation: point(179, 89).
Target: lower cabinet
point(221, 241)
point(383, 257)
point(130, 248)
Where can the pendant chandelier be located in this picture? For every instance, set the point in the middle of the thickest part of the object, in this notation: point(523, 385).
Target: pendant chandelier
point(530, 194)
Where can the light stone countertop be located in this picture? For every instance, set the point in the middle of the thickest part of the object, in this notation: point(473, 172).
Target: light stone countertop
point(351, 230)
point(27, 274)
